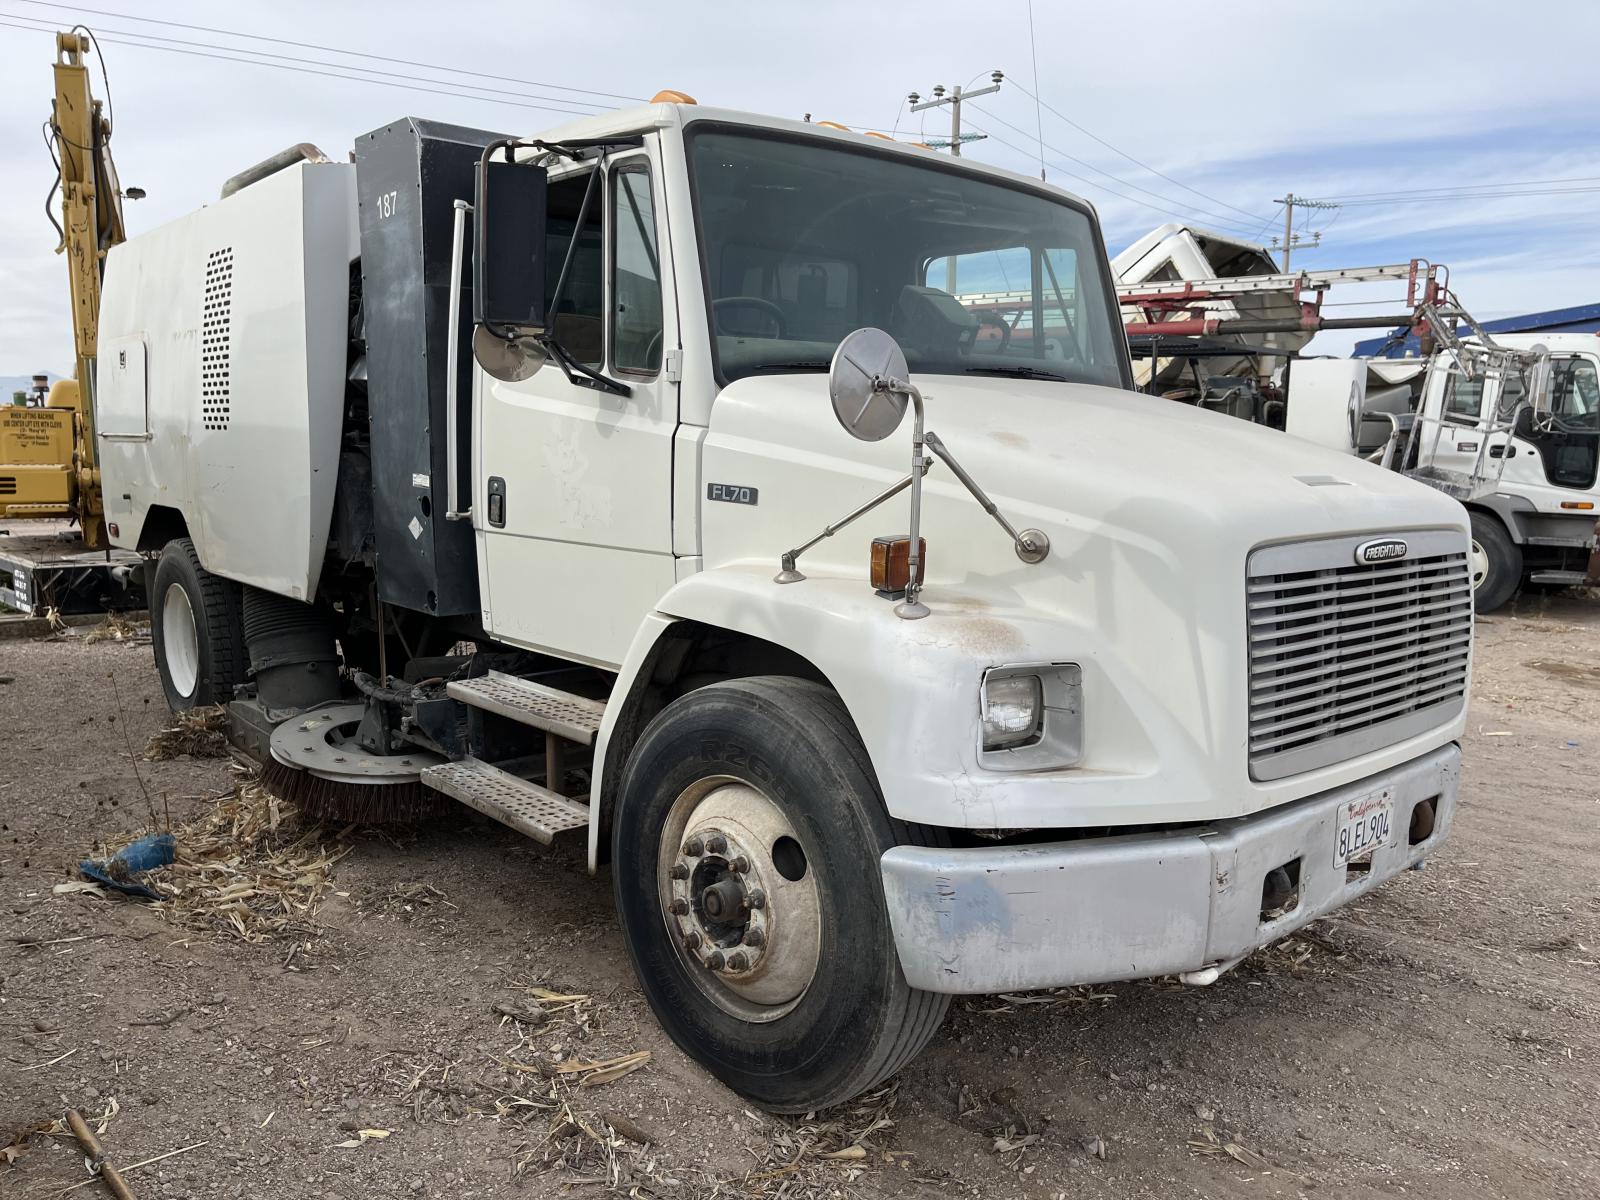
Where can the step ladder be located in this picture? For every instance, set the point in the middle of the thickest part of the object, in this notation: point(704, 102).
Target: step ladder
point(540, 812)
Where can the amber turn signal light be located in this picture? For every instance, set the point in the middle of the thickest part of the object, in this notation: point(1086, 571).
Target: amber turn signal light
point(891, 564)
point(1580, 505)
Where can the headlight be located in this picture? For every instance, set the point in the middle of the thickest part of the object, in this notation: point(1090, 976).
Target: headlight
point(1011, 708)
point(1031, 717)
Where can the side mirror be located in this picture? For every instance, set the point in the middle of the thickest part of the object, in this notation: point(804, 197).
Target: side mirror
point(864, 366)
point(508, 264)
point(870, 386)
point(1540, 380)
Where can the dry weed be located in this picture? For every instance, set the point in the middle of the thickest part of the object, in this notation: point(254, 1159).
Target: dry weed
point(199, 733)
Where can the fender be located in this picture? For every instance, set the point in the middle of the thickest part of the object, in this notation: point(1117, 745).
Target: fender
point(912, 689)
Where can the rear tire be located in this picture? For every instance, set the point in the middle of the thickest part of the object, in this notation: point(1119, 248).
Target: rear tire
point(1496, 563)
point(759, 791)
point(195, 629)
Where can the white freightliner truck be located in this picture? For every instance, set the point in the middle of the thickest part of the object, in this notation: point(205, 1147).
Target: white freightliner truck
point(1533, 459)
point(499, 470)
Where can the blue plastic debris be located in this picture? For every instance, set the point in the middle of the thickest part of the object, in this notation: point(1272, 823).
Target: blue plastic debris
point(136, 858)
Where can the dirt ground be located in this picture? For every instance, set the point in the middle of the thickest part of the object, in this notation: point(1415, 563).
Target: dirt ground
point(356, 1019)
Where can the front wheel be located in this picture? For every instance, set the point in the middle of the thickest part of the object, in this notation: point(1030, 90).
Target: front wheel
point(1496, 563)
point(745, 859)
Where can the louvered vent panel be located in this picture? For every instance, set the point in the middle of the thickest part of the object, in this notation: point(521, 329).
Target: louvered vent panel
point(216, 341)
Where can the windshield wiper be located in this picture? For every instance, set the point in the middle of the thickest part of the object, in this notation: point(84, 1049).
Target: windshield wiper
point(809, 364)
point(1015, 372)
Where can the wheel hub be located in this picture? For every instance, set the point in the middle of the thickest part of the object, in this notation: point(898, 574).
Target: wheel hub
point(1480, 564)
point(180, 640)
point(742, 908)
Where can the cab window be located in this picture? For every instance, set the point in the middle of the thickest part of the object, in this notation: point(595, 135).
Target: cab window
point(577, 320)
point(1463, 398)
point(636, 330)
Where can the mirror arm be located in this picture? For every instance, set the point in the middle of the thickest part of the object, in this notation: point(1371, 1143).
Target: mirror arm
point(1032, 545)
point(577, 373)
point(912, 609)
point(789, 574)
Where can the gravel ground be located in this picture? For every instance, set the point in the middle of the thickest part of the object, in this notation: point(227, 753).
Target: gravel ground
point(368, 1027)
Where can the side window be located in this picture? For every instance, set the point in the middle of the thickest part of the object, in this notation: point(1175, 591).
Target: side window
point(1463, 398)
point(577, 320)
point(1575, 393)
point(636, 331)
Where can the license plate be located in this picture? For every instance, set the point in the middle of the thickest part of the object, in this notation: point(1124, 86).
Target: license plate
point(1364, 825)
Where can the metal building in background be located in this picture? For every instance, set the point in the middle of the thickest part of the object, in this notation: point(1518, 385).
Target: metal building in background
point(1401, 343)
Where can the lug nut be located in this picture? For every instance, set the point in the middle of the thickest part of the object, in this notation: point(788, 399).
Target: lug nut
point(741, 865)
point(678, 908)
point(680, 871)
point(737, 961)
point(693, 940)
point(715, 961)
point(717, 844)
point(694, 848)
point(754, 937)
point(756, 898)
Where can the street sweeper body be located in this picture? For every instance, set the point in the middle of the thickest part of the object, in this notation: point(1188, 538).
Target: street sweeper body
point(560, 477)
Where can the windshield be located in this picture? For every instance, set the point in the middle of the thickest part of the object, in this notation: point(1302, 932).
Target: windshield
point(805, 242)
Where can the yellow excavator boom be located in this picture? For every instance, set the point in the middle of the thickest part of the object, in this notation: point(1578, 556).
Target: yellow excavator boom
point(48, 464)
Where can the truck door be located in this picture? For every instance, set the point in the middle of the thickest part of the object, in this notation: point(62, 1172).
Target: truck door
point(1460, 409)
point(1563, 448)
point(572, 486)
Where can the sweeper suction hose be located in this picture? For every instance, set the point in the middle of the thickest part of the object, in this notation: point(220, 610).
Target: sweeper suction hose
point(293, 655)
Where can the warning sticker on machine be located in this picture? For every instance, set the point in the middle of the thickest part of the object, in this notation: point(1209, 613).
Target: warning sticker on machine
point(35, 435)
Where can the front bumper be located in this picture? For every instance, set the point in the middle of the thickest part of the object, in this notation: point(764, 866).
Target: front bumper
point(981, 919)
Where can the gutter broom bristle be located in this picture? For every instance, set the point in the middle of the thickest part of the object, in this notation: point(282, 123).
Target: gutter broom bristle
point(359, 803)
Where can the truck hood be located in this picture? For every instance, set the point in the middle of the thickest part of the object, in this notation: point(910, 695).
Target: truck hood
point(1078, 458)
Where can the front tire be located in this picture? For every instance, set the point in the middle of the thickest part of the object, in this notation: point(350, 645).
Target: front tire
point(195, 630)
point(745, 863)
point(1496, 563)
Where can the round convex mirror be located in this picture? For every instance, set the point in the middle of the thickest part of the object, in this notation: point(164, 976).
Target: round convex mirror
point(506, 360)
point(867, 411)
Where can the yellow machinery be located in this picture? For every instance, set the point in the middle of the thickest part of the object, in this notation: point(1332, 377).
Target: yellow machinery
point(47, 455)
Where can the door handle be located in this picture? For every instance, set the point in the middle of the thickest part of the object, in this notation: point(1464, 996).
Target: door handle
point(1502, 451)
point(497, 502)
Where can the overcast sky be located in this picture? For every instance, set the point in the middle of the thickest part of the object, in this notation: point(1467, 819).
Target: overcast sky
point(1227, 105)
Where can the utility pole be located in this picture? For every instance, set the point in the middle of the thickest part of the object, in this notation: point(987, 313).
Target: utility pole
point(1291, 239)
point(954, 99)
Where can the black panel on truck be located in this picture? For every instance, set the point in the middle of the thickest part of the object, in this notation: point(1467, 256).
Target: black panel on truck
point(408, 176)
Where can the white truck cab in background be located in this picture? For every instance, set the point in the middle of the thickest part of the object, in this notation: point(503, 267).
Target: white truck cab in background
point(1535, 517)
point(1163, 687)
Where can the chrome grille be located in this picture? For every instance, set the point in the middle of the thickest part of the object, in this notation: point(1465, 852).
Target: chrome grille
point(1349, 657)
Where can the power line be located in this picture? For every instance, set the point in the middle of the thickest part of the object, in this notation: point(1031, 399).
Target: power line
point(364, 76)
point(1467, 187)
point(1458, 198)
point(1186, 217)
point(1227, 222)
point(256, 37)
point(1136, 162)
point(365, 71)
point(1038, 115)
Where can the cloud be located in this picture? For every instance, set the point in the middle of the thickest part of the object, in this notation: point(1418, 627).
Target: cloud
point(1243, 101)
